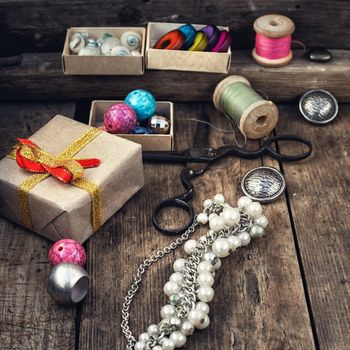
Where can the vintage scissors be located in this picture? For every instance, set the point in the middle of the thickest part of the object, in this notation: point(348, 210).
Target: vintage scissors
point(201, 154)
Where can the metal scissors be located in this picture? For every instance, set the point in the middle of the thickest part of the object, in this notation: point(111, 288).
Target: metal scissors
point(204, 156)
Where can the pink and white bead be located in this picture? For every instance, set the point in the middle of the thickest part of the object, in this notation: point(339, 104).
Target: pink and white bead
point(120, 119)
point(69, 251)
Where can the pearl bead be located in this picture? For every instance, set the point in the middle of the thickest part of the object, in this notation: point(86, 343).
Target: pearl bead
point(187, 328)
point(176, 277)
point(205, 279)
point(157, 347)
point(153, 328)
point(179, 265)
point(140, 345)
point(211, 257)
point(234, 241)
point(205, 293)
point(261, 220)
point(171, 288)
point(175, 322)
point(231, 217)
point(167, 311)
point(254, 209)
point(216, 223)
point(144, 337)
point(205, 323)
point(196, 317)
point(245, 238)
point(178, 338)
point(202, 306)
point(174, 299)
point(207, 203)
point(202, 218)
point(167, 344)
point(204, 266)
point(213, 215)
point(190, 246)
point(243, 202)
point(256, 231)
point(221, 247)
point(226, 206)
point(219, 199)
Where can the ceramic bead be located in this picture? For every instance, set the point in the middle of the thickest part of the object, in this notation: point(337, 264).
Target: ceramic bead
point(67, 250)
point(120, 50)
point(92, 49)
point(131, 40)
point(108, 43)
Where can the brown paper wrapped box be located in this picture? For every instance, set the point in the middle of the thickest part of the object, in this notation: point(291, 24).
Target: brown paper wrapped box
point(61, 210)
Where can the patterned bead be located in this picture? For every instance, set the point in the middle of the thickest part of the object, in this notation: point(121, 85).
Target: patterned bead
point(119, 119)
point(67, 250)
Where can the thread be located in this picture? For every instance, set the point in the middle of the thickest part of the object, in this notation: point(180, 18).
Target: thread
point(273, 40)
point(254, 116)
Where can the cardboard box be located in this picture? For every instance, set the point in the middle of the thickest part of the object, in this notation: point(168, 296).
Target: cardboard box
point(103, 65)
point(197, 61)
point(149, 142)
point(58, 210)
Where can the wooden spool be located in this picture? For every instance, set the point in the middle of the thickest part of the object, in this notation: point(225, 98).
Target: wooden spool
point(273, 26)
point(258, 120)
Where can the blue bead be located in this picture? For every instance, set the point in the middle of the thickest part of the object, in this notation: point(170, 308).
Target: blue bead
point(189, 33)
point(143, 103)
point(140, 130)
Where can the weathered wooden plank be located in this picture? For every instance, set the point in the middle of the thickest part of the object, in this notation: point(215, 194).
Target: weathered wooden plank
point(29, 318)
point(41, 25)
point(260, 300)
point(319, 197)
point(40, 77)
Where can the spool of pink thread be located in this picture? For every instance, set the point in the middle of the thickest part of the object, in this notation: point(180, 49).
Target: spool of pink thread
point(273, 40)
point(120, 118)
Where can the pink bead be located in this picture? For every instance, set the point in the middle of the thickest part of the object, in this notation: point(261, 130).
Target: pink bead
point(120, 119)
point(67, 250)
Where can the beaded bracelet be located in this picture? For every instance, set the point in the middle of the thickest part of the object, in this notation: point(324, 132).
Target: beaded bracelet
point(189, 288)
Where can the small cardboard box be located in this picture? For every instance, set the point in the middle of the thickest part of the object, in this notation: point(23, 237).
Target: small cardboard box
point(103, 65)
point(58, 210)
point(149, 142)
point(197, 61)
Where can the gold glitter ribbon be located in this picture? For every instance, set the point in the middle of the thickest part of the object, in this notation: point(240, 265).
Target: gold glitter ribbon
point(83, 183)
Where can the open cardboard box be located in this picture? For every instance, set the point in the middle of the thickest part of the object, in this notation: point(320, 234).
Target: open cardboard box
point(103, 65)
point(198, 61)
point(149, 142)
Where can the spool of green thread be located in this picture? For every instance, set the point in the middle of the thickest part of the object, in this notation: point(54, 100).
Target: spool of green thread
point(254, 116)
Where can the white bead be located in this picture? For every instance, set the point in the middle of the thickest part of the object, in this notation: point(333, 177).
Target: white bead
point(135, 53)
point(219, 199)
point(187, 328)
point(217, 223)
point(120, 51)
point(157, 347)
point(202, 306)
point(256, 231)
point(153, 328)
point(207, 203)
point(213, 215)
point(204, 266)
point(202, 218)
point(176, 277)
point(168, 311)
point(171, 288)
point(205, 323)
point(178, 338)
point(254, 209)
point(131, 40)
point(243, 202)
point(167, 344)
point(140, 345)
point(190, 246)
point(211, 257)
point(245, 238)
point(196, 317)
point(175, 322)
point(144, 337)
point(234, 241)
point(179, 265)
point(226, 206)
point(221, 247)
point(205, 293)
point(205, 279)
point(261, 220)
point(231, 217)
point(216, 266)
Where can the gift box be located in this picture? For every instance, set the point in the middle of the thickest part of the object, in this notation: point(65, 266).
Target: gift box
point(103, 65)
point(149, 142)
point(55, 209)
point(197, 61)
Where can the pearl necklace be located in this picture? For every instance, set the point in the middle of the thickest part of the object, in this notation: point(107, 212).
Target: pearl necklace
point(189, 288)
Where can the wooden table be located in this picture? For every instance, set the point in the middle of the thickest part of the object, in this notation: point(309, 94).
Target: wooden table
point(288, 290)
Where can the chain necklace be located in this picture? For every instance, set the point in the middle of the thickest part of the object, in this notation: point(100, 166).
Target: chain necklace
point(189, 288)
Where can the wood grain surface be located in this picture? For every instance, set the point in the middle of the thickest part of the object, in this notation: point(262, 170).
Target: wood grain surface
point(29, 26)
point(288, 290)
point(40, 77)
